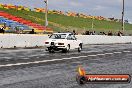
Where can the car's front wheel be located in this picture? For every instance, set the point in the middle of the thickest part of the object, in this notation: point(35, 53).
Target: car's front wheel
point(80, 48)
point(67, 49)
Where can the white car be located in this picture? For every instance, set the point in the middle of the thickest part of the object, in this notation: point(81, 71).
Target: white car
point(63, 41)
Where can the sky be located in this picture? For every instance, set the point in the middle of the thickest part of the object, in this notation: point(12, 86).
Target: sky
point(105, 8)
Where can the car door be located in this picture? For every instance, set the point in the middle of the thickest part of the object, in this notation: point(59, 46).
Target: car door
point(75, 42)
point(70, 41)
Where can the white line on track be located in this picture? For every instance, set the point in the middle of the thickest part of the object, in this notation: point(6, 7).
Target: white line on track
point(100, 54)
point(66, 58)
point(52, 60)
point(74, 57)
point(117, 52)
point(108, 53)
point(32, 55)
point(25, 58)
point(126, 51)
point(92, 55)
point(83, 56)
point(36, 62)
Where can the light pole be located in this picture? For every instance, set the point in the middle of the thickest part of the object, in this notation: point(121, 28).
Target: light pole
point(123, 16)
point(92, 23)
point(46, 13)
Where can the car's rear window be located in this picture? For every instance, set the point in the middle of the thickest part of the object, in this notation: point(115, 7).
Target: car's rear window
point(58, 36)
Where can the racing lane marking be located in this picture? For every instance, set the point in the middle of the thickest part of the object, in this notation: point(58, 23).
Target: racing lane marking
point(44, 61)
point(73, 57)
point(83, 56)
point(117, 52)
point(108, 53)
point(33, 56)
point(92, 55)
point(36, 62)
point(25, 58)
point(126, 51)
point(100, 54)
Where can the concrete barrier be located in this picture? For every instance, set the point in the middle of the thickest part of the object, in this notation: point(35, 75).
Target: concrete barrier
point(27, 40)
point(104, 39)
point(21, 40)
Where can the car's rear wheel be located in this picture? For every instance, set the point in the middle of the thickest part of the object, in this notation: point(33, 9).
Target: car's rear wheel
point(80, 48)
point(51, 50)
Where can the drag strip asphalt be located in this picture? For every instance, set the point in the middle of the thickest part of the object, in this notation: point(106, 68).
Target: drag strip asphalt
point(36, 68)
point(53, 60)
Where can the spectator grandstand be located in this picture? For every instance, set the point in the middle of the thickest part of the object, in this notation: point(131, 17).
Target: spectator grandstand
point(69, 13)
point(11, 22)
point(23, 19)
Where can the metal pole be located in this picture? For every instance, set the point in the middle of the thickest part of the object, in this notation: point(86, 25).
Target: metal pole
point(123, 16)
point(46, 13)
point(93, 19)
point(92, 23)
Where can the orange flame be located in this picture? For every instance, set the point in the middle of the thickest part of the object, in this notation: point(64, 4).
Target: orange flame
point(81, 71)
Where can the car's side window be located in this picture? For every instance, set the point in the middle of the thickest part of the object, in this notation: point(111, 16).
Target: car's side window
point(71, 37)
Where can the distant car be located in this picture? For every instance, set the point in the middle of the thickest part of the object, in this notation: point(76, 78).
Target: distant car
point(63, 42)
